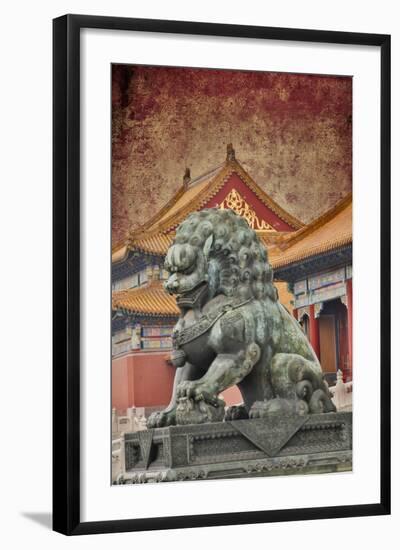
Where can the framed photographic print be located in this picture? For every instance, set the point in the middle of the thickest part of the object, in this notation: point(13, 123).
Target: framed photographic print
point(221, 274)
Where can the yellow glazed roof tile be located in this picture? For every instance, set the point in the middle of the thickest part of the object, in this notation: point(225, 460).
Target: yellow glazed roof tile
point(330, 231)
point(151, 299)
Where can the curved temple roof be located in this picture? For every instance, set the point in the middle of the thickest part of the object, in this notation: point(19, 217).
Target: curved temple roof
point(156, 235)
point(151, 299)
point(330, 231)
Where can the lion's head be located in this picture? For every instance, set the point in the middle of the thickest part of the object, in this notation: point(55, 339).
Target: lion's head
point(217, 248)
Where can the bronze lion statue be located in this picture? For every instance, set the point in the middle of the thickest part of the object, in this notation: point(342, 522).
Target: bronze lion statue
point(233, 329)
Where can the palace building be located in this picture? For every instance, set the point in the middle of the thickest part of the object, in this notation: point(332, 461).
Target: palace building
point(313, 260)
point(316, 261)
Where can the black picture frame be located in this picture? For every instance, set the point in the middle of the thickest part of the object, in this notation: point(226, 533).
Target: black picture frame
point(66, 272)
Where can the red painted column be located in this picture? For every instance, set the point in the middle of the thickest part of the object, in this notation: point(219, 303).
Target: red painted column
point(349, 292)
point(314, 331)
point(295, 314)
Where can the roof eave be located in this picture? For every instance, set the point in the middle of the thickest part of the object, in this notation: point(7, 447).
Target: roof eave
point(302, 267)
point(230, 166)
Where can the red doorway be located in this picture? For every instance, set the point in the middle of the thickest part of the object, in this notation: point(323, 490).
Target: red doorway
point(334, 348)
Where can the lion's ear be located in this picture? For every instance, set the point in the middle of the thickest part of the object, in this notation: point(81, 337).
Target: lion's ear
point(207, 245)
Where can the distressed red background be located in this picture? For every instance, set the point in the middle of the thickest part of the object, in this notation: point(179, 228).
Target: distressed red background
point(291, 132)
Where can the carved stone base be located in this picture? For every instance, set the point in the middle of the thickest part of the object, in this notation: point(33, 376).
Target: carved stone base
point(281, 445)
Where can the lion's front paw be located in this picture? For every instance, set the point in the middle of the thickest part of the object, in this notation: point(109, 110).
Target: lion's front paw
point(198, 391)
point(161, 418)
point(259, 409)
point(278, 406)
point(189, 411)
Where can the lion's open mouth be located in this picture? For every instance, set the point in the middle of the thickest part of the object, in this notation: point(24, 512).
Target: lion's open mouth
point(189, 298)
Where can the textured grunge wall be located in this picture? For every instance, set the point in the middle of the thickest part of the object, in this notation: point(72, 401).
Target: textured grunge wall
point(291, 132)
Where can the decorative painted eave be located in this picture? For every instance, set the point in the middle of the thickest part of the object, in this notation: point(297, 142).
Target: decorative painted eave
point(154, 244)
point(152, 300)
point(311, 265)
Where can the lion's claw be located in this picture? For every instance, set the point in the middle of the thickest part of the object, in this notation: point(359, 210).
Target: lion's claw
point(161, 419)
point(198, 391)
point(236, 412)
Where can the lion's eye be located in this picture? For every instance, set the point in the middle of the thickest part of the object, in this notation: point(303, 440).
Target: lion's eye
point(187, 271)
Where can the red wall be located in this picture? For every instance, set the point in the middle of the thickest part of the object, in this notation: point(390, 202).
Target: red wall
point(232, 396)
point(119, 384)
point(146, 380)
point(141, 380)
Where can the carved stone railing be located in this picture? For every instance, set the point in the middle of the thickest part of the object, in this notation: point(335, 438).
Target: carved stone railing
point(133, 421)
point(342, 393)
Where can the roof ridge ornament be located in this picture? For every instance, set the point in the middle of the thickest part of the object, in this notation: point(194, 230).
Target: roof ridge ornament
point(230, 152)
point(186, 177)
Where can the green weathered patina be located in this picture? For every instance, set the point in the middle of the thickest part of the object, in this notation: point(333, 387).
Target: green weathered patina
point(233, 329)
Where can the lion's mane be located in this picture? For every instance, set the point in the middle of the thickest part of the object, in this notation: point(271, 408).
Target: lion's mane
point(237, 261)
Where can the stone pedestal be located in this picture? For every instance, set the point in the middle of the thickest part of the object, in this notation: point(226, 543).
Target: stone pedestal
point(278, 445)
